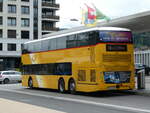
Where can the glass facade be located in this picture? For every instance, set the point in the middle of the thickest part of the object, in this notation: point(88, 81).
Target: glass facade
point(11, 33)
point(1, 46)
point(11, 8)
point(25, 34)
point(35, 19)
point(1, 20)
point(1, 5)
point(11, 47)
point(1, 33)
point(11, 21)
point(141, 40)
point(9, 63)
point(25, 22)
point(25, 9)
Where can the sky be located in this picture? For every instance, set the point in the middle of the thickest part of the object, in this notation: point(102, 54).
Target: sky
point(71, 9)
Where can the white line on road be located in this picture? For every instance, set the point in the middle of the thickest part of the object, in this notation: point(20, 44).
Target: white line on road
point(126, 108)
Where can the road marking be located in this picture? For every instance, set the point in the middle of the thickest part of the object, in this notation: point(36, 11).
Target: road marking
point(126, 108)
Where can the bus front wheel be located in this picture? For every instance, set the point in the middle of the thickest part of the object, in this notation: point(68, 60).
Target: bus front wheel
point(61, 85)
point(72, 86)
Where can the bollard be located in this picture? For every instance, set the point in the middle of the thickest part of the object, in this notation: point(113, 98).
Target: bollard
point(141, 79)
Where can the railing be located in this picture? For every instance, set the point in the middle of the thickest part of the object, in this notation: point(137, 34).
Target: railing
point(47, 4)
point(46, 28)
point(50, 17)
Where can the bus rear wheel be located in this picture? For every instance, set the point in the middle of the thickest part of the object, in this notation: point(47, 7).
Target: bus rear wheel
point(61, 86)
point(30, 83)
point(72, 86)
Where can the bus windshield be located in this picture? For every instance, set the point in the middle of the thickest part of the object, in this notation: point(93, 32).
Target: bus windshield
point(115, 36)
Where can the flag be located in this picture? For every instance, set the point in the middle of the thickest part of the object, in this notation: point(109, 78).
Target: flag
point(91, 13)
point(84, 17)
point(90, 17)
point(100, 15)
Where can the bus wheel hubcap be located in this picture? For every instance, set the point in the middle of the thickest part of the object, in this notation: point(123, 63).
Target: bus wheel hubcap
point(61, 87)
point(72, 86)
point(30, 83)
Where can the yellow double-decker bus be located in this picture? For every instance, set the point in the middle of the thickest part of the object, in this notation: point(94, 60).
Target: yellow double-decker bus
point(87, 60)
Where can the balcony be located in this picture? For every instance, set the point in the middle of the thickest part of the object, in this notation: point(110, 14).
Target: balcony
point(50, 17)
point(47, 28)
point(48, 4)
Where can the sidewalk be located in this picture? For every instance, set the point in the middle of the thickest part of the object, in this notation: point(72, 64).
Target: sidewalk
point(146, 91)
point(9, 106)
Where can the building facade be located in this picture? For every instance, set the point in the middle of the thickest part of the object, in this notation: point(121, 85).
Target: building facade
point(142, 57)
point(22, 21)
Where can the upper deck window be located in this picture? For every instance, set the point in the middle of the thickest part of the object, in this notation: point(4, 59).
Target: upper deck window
point(115, 36)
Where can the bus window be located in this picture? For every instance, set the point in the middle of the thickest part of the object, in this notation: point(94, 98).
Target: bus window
point(71, 41)
point(24, 49)
point(30, 47)
point(82, 39)
point(61, 43)
point(63, 69)
point(93, 37)
point(44, 45)
point(37, 46)
point(52, 44)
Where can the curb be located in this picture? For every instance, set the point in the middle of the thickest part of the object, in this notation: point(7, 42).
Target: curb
point(141, 92)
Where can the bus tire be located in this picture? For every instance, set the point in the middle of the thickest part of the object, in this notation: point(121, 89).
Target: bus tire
point(30, 83)
point(72, 86)
point(61, 85)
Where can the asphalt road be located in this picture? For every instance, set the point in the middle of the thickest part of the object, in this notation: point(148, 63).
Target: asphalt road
point(100, 102)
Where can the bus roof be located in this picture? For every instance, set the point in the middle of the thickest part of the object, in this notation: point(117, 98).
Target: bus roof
point(75, 31)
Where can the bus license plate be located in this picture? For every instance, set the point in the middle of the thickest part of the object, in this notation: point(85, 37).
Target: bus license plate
point(112, 88)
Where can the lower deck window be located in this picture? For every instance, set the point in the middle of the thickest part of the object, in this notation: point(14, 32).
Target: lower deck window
point(48, 69)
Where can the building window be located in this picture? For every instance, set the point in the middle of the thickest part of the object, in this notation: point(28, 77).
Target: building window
point(11, 8)
point(1, 5)
point(1, 46)
point(1, 20)
point(49, 1)
point(25, 0)
point(25, 9)
point(25, 22)
point(11, 47)
point(25, 34)
point(11, 21)
point(11, 33)
point(1, 33)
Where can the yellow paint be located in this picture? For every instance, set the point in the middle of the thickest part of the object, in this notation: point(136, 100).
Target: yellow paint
point(83, 58)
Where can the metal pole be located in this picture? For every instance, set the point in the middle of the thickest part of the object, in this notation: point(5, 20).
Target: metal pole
point(141, 79)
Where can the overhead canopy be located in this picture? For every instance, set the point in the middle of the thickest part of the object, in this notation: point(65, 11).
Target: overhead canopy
point(138, 22)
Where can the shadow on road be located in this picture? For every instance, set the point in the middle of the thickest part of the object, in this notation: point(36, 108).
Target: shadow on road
point(99, 94)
